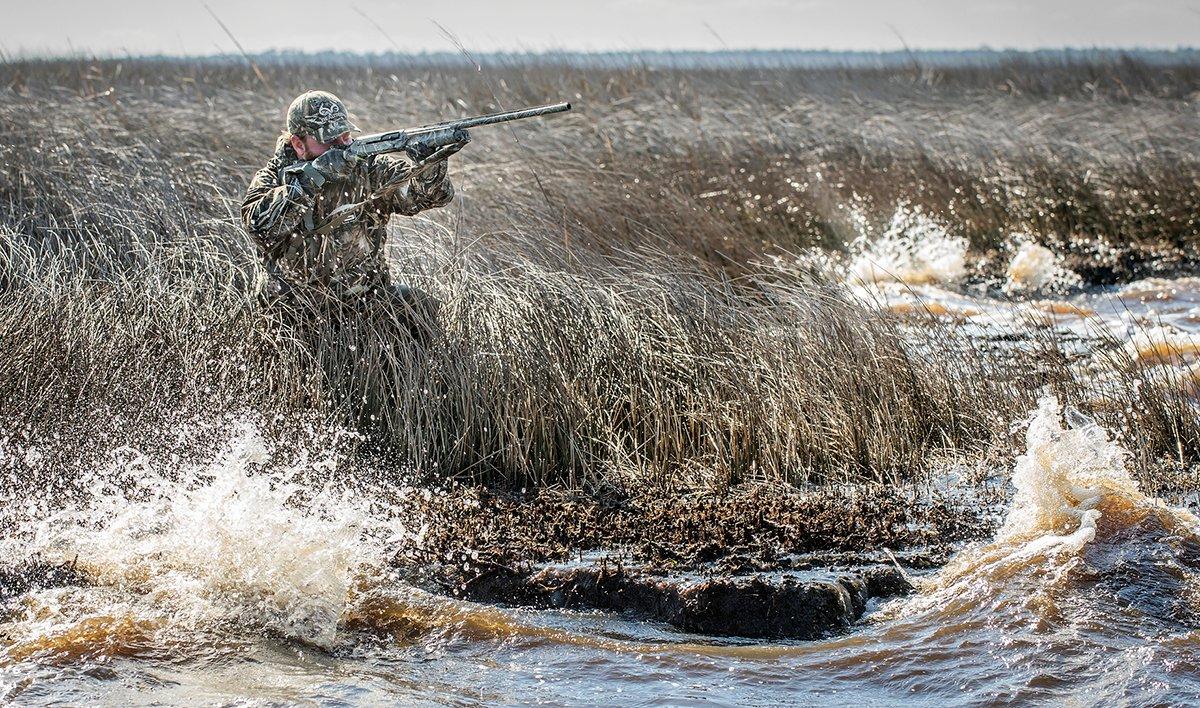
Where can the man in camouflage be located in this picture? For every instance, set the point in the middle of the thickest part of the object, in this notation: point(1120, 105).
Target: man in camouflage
point(307, 179)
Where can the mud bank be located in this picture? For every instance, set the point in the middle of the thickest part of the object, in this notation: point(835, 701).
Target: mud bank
point(776, 605)
point(805, 604)
point(765, 561)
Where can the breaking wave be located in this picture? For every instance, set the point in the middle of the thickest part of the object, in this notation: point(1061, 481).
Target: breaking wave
point(1088, 584)
point(1077, 518)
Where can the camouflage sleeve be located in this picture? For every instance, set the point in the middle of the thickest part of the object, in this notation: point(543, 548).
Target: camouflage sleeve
point(271, 211)
point(429, 190)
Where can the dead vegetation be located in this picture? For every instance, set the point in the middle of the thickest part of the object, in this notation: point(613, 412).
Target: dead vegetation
point(610, 316)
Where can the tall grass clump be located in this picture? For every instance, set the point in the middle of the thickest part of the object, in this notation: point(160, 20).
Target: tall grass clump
point(608, 314)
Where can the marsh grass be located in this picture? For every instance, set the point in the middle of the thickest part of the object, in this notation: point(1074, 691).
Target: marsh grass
point(608, 312)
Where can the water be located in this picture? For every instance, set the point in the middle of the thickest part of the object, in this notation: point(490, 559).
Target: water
point(237, 579)
point(228, 581)
point(916, 269)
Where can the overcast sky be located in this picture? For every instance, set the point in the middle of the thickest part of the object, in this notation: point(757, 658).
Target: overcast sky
point(163, 26)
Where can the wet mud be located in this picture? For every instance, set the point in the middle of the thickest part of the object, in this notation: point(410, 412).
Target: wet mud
point(752, 528)
point(776, 606)
point(763, 561)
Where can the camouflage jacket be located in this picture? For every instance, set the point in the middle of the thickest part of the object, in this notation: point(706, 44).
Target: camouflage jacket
point(281, 217)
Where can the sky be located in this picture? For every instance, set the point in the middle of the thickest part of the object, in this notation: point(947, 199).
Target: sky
point(110, 27)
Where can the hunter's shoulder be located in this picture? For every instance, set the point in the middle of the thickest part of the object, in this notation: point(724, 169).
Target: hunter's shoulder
point(281, 157)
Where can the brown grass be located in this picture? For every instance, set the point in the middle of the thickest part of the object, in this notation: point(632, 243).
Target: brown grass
point(609, 312)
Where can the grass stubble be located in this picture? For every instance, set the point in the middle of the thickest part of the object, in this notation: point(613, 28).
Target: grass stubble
point(621, 324)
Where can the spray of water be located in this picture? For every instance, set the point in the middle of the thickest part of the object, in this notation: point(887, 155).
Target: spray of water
point(201, 549)
point(1077, 518)
point(1035, 268)
point(915, 249)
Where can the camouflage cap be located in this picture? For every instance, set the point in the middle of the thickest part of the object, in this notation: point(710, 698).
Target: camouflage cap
point(320, 114)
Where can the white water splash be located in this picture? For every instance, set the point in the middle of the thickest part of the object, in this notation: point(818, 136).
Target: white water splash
point(224, 544)
point(1061, 479)
point(1068, 480)
point(915, 249)
point(1035, 268)
point(1163, 345)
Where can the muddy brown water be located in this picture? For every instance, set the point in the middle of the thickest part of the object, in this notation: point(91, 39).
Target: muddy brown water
point(213, 585)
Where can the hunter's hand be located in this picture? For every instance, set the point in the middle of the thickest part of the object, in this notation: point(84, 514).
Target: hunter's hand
point(335, 164)
point(461, 138)
point(420, 151)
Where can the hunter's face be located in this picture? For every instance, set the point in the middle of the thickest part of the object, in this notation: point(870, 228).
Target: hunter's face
point(309, 148)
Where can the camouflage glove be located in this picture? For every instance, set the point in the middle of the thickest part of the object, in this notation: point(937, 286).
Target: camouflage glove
point(298, 194)
point(334, 164)
point(420, 151)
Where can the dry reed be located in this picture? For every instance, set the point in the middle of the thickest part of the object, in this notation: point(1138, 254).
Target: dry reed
point(609, 315)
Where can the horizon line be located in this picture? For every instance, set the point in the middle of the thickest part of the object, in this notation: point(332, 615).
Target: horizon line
point(24, 54)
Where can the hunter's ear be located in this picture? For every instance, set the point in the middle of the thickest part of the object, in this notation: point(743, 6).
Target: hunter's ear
point(297, 144)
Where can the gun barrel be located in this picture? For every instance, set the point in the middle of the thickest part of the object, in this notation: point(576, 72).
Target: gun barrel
point(505, 116)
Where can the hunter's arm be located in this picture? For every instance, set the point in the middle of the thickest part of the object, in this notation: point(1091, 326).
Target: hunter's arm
point(428, 190)
point(271, 211)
